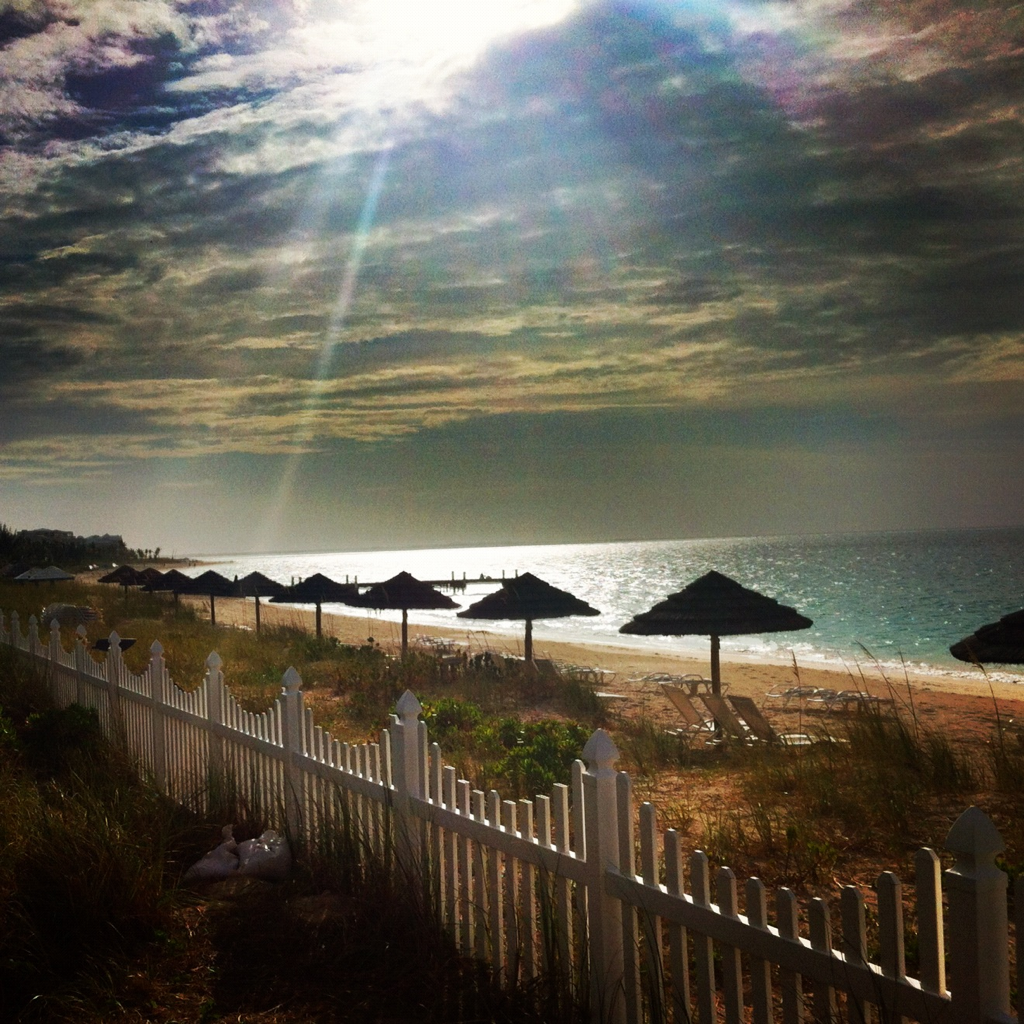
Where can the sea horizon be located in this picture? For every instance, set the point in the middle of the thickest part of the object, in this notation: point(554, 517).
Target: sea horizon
point(892, 600)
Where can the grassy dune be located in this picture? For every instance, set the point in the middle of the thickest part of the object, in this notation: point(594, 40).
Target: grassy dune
point(99, 927)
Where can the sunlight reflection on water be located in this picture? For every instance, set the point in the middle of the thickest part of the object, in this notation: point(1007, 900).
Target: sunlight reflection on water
point(900, 596)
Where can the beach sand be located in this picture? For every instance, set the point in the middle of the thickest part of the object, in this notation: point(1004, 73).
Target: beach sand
point(966, 705)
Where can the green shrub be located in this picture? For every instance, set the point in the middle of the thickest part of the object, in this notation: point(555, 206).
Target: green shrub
point(448, 717)
point(535, 755)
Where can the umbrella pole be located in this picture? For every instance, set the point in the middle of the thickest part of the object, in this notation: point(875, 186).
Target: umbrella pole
point(716, 667)
point(318, 634)
point(528, 643)
point(213, 610)
point(405, 632)
point(257, 614)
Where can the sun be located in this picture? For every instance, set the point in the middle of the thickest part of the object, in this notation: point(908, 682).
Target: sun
point(432, 35)
point(426, 29)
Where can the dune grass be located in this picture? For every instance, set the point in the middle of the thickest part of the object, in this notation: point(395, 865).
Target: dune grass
point(95, 924)
point(878, 786)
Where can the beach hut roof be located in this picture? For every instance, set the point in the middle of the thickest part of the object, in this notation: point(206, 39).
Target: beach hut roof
point(403, 591)
point(258, 585)
point(317, 589)
point(123, 574)
point(998, 643)
point(527, 597)
point(716, 605)
point(50, 574)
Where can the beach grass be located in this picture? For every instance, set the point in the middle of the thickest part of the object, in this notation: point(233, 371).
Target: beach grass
point(98, 925)
point(878, 783)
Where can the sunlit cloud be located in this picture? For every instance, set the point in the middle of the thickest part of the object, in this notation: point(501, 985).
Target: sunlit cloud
point(272, 231)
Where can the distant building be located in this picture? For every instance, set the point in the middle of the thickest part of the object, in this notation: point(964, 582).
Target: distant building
point(63, 536)
point(105, 540)
point(98, 541)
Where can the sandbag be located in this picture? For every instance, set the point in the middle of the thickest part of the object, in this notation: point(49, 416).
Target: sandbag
point(221, 862)
point(267, 857)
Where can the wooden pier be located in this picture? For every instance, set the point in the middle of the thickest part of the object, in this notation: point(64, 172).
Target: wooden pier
point(454, 584)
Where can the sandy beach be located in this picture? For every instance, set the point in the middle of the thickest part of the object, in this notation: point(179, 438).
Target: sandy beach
point(965, 704)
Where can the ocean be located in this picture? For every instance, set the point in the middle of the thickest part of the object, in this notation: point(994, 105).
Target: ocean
point(885, 598)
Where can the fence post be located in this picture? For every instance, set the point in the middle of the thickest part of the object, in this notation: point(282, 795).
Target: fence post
point(55, 648)
point(114, 667)
point(55, 659)
point(33, 636)
point(80, 660)
point(604, 912)
point(407, 776)
point(978, 934)
point(292, 713)
point(158, 698)
point(215, 717)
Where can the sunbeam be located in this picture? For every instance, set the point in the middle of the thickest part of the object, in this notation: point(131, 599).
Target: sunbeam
point(306, 428)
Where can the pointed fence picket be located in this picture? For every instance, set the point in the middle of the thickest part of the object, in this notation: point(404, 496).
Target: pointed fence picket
point(552, 886)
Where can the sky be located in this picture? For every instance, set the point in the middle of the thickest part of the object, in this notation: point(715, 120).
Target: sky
point(339, 274)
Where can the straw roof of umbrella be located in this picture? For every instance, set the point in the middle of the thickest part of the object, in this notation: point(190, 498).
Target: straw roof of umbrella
point(715, 605)
point(257, 585)
point(124, 574)
point(210, 584)
point(317, 590)
point(402, 592)
point(150, 575)
point(528, 597)
point(998, 643)
point(173, 579)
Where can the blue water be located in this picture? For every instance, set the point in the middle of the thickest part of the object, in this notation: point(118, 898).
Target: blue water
point(892, 598)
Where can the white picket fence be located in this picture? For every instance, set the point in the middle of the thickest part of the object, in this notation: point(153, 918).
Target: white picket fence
point(534, 885)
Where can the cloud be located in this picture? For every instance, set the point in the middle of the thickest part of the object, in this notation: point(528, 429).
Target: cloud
point(237, 230)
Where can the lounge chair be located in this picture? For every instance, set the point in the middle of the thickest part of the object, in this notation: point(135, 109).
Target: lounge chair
point(725, 717)
point(760, 727)
point(824, 697)
point(798, 693)
point(694, 720)
point(858, 699)
point(546, 668)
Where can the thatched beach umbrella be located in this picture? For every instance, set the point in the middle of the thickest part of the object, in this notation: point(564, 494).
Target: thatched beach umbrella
point(317, 589)
point(257, 585)
point(716, 606)
point(402, 592)
point(527, 597)
point(172, 580)
point(998, 643)
point(212, 585)
point(125, 576)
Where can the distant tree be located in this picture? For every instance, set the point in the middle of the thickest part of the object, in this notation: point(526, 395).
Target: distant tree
point(68, 553)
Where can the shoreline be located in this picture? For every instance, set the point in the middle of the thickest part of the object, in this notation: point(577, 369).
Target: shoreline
point(624, 666)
